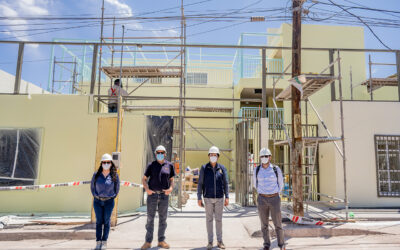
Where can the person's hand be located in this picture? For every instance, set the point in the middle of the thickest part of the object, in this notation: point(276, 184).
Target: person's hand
point(149, 191)
point(167, 191)
point(200, 202)
point(226, 203)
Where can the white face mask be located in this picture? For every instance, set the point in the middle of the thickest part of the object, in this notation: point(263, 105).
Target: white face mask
point(106, 166)
point(213, 159)
point(264, 160)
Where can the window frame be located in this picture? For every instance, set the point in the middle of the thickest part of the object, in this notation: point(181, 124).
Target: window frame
point(387, 138)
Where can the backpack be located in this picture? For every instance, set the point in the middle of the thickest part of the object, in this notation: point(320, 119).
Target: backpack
point(275, 170)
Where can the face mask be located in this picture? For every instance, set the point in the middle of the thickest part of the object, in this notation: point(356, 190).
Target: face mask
point(265, 160)
point(213, 159)
point(160, 157)
point(106, 166)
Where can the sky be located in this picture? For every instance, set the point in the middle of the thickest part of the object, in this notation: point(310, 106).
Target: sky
point(209, 21)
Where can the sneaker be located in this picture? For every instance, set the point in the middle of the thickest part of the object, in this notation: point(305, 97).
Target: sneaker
point(104, 245)
point(283, 248)
point(210, 245)
point(98, 245)
point(146, 245)
point(163, 244)
point(221, 245)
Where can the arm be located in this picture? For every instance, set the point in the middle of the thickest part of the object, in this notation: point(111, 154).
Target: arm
point(145, 178)
point(92, 187)
point(226, 184)
point(226, 187)
point(254, 178)
point(200, 187)
point(117, 186)
point(280, 179)
point(171, 186)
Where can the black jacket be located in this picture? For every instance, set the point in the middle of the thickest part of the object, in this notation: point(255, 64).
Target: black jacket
point(213, 182)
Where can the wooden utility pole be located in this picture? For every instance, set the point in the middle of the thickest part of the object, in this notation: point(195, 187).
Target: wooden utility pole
point(297, 146)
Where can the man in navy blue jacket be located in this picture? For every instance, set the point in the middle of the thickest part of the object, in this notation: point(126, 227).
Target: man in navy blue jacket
point(213, 185)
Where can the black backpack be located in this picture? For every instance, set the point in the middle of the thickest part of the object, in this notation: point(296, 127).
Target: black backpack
point(275, 170)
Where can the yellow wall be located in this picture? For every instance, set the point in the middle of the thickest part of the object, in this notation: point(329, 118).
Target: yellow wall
point(68, 152)
point(363, 120)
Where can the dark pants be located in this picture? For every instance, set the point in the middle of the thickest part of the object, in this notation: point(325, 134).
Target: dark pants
point(103, 210)
point(112, 108)
point(156, 202)
point(265, 205)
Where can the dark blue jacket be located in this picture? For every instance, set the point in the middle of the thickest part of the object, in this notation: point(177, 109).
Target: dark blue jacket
point(213, 182)
point(104, 187)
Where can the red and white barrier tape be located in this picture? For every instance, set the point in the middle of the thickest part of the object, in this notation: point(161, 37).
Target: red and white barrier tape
point(303, 220)
point(65, 184)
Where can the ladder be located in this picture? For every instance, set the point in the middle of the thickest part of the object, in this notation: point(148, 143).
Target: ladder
point(310, 155)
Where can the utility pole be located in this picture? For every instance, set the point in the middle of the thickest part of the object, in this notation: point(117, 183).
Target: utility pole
point(297, 149)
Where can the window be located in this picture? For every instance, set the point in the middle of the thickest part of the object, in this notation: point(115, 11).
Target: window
point(151, 80)
point(196, 78)
point(19, 155)
point(387, 151)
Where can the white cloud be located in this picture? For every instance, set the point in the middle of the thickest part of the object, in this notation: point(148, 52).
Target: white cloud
point(122, 8)
point(17, 28)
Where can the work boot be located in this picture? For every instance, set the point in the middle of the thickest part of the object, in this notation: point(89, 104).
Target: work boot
point(283, 248)
point(266, 248)
point(104, 245)
point(163, 244)
point(98, 245)
point(210, 245)
point(221, 245)
point(146, 245)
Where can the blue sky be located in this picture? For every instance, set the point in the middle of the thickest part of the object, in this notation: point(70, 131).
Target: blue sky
point(226, 31)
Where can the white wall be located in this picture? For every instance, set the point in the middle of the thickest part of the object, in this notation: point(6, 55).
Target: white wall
point(362, 121)
point(7, 82)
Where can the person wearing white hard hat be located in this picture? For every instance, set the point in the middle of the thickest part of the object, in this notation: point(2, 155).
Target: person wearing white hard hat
point(158, 181)
point(104, 187)
point(213, 186)
point(268, 181)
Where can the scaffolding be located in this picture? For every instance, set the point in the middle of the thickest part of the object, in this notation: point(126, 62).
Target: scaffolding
point(309, 85)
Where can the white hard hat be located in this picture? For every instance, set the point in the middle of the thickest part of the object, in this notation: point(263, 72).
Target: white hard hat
point(160, 148)
point(106, 157)
point(265, 151)
point(213, 150)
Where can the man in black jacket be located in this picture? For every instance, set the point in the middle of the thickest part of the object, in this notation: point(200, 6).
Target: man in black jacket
point(213, 185)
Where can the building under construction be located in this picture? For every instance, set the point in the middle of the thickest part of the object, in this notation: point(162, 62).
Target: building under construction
point(199, 96)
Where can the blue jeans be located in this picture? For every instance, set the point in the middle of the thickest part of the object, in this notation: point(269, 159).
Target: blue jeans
point(103, 210)
point(154, 202)
point(112, 108)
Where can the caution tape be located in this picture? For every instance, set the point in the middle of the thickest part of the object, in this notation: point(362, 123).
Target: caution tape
point(303, 220)
point(65, 184)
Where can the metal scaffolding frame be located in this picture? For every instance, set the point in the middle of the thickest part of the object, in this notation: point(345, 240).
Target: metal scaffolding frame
point(182, 116)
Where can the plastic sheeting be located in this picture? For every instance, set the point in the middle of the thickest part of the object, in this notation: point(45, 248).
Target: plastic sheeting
point(19, 155)
point(159, 132)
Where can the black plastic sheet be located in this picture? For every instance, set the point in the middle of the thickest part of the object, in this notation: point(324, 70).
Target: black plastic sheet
point(19, 156)
point(160, 131)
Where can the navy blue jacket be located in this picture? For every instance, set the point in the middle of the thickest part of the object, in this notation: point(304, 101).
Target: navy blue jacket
point(104, 187)
point(213, 182)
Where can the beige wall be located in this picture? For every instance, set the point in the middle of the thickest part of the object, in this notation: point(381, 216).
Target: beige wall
point(363, 120)
point(68, 152)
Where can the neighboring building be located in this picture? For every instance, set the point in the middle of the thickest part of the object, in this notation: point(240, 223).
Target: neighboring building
point(7, 85)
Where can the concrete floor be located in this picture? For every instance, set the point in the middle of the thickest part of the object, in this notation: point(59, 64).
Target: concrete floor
point(186, 230)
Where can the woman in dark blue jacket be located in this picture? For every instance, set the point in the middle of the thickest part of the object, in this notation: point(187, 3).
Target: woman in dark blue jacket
point(104, 187)
point(213, 185)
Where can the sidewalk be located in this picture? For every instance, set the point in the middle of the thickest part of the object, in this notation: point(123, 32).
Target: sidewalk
point(187, 230)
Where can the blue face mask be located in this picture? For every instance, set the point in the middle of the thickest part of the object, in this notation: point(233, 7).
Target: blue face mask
point(160, 157)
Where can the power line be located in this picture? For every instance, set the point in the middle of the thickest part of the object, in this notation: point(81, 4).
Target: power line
point(376, 36)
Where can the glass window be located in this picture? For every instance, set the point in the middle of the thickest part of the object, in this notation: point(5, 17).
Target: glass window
point(19, 156)
point(387, 150)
